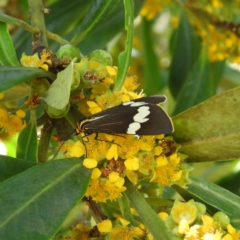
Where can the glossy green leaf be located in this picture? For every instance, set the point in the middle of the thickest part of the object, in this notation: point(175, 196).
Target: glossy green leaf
point(10, 166)
point(8, 55)
point(199, 78)
point(62, 20)
point(17, 92)
point(153, 82)
point(150, 218)
point(98, 11)
point(58, 94)
point(185, 49)
point(40, 198)
point(125, 56)
point(12, 76)
point(217, 197)
point(125, 209)
point(27, 143)
point(107, 30)
point(210, 131)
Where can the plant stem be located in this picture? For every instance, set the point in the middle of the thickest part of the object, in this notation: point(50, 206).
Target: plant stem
point(37, 20)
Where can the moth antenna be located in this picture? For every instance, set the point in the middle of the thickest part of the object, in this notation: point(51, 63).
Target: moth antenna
point(62, 144)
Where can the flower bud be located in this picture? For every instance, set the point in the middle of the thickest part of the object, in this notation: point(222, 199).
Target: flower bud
point(68, 51)
point(101, 56)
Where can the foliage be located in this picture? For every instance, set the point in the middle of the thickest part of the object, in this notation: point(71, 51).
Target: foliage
point(54, 71)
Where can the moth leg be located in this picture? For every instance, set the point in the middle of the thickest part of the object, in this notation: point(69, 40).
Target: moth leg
point(98, 139)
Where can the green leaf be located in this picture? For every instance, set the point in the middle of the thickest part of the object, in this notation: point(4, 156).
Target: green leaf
point(107, 30)
point(125, 56)
point(217, 197)
point(98, 11)
point(126, 210)
point(40, 198)
point(10, 166)
point(208, 129)
point(199, 78)
point(27, 143)
point(8, 55)
point(152, 72)
point(62, 20)
point(58, 94)
point(151, 220)
point(185, 49)
point(12, 76)
point(17, 92)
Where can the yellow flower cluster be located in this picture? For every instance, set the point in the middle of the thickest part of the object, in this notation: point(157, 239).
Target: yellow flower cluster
point(12, 123)
point(221, 45)
point(113, 157)
point(189, 221)
point(34, 61)
point(152, 7)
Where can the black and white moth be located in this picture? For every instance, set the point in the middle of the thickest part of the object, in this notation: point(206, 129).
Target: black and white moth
point(137, 117)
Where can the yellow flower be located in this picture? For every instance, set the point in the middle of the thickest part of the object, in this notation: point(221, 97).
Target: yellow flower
point(33, 61)
point(131, 83)
point(105, 226)
point(93, 107)
point(150, 9)
point(187, 211)
point(12, 123)
point(1, 95)
point(81, 231)
point(126, 233)
point(109, 190)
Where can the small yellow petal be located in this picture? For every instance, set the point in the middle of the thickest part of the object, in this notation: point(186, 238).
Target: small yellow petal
point(77, 150)
point(132, 163)
point(123, 221)
point(92, 104)
point(96, 173)
point(119, 183)
point(90, 163)
point(20, 113)
point(145, 147)
point(112, 152)
point(163, 215)
point(1, 95)
point(111, 71)
point(158, 150)
point(231, 229)
point(105, 226)
point(113, 177)
point(161, 161)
